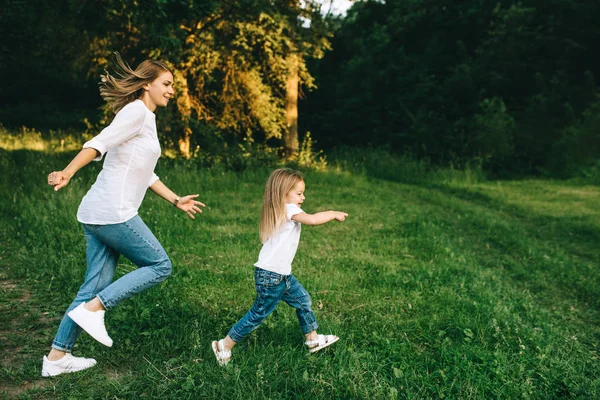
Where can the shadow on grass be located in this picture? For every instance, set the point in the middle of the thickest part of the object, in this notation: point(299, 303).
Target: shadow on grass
point(526, 246)
point(578, 235)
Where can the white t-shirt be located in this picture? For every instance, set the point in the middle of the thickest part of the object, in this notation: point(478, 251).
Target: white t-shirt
point(132, 149)
point(278, 252)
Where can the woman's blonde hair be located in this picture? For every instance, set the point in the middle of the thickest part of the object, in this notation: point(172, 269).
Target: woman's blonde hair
point(128, 84)
point(280, 183)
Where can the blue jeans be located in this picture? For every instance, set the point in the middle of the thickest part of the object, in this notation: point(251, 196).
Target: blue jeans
point(105, 243)
point(271, 288)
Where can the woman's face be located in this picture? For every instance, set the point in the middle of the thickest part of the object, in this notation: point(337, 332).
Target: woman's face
point(159, 91)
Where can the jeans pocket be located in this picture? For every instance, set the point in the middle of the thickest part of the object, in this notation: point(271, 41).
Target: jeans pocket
point(267, 278)
point(273, 279)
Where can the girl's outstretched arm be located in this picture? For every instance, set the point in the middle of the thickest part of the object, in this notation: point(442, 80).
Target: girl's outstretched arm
point(60, 179)
point(320, 217)
point(186, 204)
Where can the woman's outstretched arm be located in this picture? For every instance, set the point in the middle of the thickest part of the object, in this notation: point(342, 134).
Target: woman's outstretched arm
point(186, 204)
point(60, 179)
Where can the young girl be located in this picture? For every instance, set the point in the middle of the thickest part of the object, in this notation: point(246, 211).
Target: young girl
point(109, 210)
point(280, 225)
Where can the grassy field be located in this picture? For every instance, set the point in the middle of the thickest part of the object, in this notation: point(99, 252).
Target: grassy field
point(440, 288)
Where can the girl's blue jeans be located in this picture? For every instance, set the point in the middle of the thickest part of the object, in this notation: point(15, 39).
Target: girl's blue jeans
point(271, 288)
point(105, 243)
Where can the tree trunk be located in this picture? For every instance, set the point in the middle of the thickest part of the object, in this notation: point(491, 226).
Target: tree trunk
point(290, 136)
point(184, 143)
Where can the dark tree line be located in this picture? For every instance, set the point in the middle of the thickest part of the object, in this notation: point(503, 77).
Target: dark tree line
point(512, 85)
point(509, 85)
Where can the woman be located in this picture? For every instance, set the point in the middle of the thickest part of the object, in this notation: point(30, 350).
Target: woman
point(109, 210)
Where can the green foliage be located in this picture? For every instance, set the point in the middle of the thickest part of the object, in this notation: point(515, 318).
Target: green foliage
point(579, 145)
point(308, 157)
point(31, 139)
point(230, 60)
point(437, 290)
point(502, 84)
point(459, 82)
point(495, 129)
point(381, 163)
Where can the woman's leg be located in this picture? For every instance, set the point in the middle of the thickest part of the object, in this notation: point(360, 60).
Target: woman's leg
point(135, 241)
point(101, 265)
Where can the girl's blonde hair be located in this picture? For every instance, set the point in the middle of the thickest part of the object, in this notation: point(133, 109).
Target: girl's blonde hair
point(128, 84)
point(280, 183)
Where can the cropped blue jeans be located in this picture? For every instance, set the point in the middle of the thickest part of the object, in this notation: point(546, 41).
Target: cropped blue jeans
point(105, 243)
point(271, 288)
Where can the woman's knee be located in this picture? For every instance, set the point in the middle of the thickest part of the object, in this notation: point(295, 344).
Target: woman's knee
point(164, 269)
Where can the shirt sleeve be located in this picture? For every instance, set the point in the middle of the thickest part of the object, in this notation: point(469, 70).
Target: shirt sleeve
point(291, 210)
point(153, 179)
point(127, 123)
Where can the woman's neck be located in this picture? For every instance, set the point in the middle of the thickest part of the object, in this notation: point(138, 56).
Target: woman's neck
point(146, 100)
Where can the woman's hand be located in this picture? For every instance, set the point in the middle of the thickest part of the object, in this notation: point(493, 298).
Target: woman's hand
point(58, 179)
point(189, 205)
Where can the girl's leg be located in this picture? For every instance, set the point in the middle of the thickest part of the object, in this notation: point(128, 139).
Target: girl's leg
point(270, 288)
point(101, 265)
point(296, 296)
point(135, 241)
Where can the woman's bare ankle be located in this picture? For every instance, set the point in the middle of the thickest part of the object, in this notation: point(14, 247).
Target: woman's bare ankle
point(55, 354)
point(94, 305)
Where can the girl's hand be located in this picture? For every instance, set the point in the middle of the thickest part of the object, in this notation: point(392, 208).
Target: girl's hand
point(340, 216)
point(189, 205)
point(58, 179)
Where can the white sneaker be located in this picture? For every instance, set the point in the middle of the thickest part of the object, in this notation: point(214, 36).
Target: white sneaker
point(92, 322)
point(65, 365)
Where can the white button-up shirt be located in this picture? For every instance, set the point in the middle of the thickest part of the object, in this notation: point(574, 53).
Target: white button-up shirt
point(132, 149)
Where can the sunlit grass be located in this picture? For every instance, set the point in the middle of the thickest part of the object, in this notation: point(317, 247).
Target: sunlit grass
point(34, 140)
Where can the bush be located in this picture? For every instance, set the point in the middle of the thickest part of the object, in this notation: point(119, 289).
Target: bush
point(577, 151)
point(383, 164)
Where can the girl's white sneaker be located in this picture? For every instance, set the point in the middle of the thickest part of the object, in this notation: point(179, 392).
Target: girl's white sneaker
point(92, 322)
point(66, 365)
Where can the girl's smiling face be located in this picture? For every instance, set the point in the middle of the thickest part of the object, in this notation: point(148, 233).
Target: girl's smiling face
point(296, 195)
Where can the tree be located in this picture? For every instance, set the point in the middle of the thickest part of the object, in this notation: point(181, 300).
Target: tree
point(422, 76)
point(238, 64)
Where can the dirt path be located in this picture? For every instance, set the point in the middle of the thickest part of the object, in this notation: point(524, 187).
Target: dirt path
point(20, 325)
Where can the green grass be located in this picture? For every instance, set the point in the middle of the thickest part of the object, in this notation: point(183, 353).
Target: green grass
point(441, 288)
